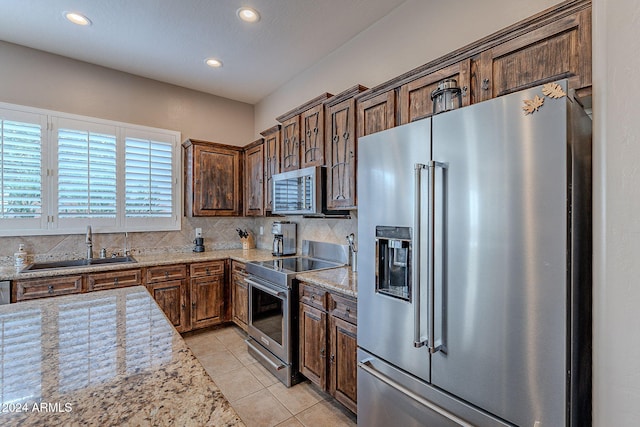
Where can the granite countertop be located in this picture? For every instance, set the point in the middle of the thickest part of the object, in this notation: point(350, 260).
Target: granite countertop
point(102, 358)
point(242, 255)
point(341, 279)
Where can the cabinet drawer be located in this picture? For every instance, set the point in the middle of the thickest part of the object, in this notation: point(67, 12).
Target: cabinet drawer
point(166, 272)
point(113, 279)
point(313, 296)
point(47, 287)
point(238, 267)
point(203, 269)
point(343, 308)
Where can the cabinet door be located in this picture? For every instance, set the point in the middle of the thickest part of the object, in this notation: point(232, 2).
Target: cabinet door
point(171, 297)
point(240, 299)
point(312, 137)
point(377, 114)
point(341, 151)
point(343, 362)
point(415, 96)
point(290, 148)
point(207, 301)
point(313, 341)
point(271, 164)
point(561, 49)
point(217, 181)
point(254, 181)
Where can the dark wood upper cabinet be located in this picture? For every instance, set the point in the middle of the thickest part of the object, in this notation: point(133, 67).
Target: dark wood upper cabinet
point(290, 148)
point(556, 50)
point(341, 149)
point(312, 137)
point(551, 45)
point(415, 96)
point(377, 113)
point(213, 179)
point(302, 143)
point(271, 162)
point(254, 188)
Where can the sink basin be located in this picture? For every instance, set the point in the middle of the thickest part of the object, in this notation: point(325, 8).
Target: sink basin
point(37, 266)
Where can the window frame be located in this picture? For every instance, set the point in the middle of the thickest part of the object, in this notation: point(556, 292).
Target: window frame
point(49, 222)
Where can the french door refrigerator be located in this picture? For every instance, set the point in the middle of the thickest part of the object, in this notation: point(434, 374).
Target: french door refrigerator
point(474, 272)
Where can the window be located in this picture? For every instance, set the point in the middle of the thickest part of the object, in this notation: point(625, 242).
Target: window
point(21, 159)
point(61, 172)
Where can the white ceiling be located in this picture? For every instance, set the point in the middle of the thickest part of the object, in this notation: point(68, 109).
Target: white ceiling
point(168, 40)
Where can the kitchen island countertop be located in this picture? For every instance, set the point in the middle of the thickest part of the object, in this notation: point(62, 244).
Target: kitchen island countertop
point(102, 358)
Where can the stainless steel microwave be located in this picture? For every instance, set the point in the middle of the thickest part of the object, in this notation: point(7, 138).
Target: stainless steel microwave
point(298, 192)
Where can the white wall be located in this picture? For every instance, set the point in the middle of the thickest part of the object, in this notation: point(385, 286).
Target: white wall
point(38, 79)
point(617, 213)
point(413, 34)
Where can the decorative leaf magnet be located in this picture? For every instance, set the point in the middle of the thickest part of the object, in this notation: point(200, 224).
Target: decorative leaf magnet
point(532, 105)
point(553, 90)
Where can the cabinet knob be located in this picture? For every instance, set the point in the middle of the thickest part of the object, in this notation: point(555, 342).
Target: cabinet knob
point(485, 84)
point(193, 305)
point(166, 274)
point(322, 352)
point(50, 288)
point(332, 358)
point(207, 271)
point(115, 281)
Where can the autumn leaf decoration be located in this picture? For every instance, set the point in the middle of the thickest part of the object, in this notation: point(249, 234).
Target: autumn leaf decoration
point(532, 105)
point(553, 90)
point(550, 90)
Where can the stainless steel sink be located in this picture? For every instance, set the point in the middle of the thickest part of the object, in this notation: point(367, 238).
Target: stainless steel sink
point(37, 266)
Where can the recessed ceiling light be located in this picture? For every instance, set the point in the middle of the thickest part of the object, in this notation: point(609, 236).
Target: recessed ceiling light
point(77, 18)
point(214, 63)
point(248, 15)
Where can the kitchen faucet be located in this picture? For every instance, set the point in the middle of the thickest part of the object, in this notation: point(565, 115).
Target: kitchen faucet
point(89, 242)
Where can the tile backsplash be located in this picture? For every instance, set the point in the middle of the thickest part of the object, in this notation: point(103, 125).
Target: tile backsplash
point(218, 233)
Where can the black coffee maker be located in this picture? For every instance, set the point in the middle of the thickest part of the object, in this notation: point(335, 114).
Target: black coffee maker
point(199, 244)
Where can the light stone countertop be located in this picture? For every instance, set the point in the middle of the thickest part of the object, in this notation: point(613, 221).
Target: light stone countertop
point(340, 279)
point(242, 255)
point(103, 358)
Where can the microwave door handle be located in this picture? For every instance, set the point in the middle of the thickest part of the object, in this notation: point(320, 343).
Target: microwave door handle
point(418, 341)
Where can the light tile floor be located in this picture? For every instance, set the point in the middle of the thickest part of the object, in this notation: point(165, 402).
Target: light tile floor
point(256, 395)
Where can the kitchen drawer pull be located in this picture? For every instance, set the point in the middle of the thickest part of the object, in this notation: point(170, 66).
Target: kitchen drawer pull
point(50, 288)
point(367, 366)
point(166, 274)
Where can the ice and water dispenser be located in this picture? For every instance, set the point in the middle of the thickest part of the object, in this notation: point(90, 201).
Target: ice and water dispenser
point(393, 261)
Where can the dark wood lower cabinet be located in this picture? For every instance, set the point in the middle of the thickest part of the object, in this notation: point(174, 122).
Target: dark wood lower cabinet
point(313, 344)
point(343, 362)
point(328, 343)
point(171, 297)
point(207, 303)
point(239, 295)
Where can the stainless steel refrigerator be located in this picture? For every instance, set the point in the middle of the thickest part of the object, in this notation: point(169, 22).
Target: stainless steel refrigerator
point(474, 272)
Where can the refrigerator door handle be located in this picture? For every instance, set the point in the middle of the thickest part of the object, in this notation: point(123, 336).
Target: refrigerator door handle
point(431, 278)
point(367, 366)
point(418, 341)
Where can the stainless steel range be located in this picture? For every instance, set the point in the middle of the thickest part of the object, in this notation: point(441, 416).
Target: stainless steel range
point(273, 305)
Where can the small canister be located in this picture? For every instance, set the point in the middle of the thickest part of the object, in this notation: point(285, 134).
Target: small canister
point(20, 257)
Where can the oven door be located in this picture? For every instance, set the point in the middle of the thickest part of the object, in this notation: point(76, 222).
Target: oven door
point(269, 317)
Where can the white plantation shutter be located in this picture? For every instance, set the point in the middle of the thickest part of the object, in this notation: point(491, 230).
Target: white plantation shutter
point(61, 172)
point(148, 178)
point(20, 148)
point(86, 174)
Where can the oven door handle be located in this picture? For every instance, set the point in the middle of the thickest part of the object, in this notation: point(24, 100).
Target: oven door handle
point(263, 288)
